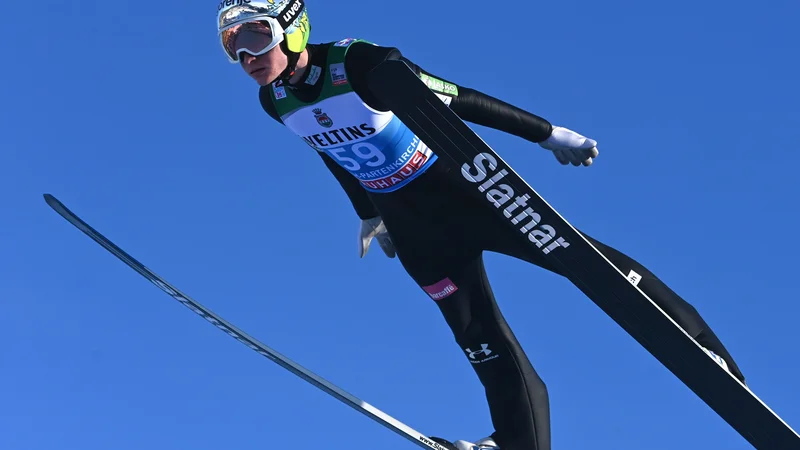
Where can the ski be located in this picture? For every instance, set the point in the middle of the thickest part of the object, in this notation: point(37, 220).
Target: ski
point(543, 229)
point(359, 405)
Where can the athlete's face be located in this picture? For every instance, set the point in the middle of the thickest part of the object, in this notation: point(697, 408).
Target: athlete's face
point(264, 68)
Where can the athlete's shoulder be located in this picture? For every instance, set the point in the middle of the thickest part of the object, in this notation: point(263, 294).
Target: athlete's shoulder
point(367, 55)
point(359, 54)
point(358, 57)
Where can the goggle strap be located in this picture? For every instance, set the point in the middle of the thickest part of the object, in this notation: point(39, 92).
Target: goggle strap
point(290, 12)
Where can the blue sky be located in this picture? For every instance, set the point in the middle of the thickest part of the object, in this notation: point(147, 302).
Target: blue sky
point(131, 115)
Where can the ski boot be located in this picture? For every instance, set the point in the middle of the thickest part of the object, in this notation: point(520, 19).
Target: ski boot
point(486, 443)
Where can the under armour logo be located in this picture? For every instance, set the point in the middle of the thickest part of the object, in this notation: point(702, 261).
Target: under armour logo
point(484, 349)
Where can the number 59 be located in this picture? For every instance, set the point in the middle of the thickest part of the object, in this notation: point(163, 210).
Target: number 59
point(365, 151)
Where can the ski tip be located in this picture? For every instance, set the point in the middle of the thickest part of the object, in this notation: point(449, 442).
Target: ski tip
point(55, 204)
point(50, 199)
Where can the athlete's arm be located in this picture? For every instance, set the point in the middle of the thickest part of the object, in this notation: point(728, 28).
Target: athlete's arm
point(354, 190)
point(470, 104)
point(474, 106)
point(352, 187)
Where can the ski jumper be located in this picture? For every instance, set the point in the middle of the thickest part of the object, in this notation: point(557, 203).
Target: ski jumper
point(438, 230)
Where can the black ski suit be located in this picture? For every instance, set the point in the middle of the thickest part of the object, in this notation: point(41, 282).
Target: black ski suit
point(440, 233)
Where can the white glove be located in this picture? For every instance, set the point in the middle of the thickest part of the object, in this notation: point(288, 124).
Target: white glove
point(570, 147)
point(374, 228)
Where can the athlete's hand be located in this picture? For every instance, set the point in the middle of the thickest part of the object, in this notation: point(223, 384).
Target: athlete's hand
point(374, 228)
point(570, 147)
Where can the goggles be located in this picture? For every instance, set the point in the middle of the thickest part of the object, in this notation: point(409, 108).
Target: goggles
point(249, 28)
point(255, 38)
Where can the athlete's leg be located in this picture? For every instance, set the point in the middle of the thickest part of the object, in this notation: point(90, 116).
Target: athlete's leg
point(445, 260)
point(679, 309)
point(438, 233)
point(516, 395)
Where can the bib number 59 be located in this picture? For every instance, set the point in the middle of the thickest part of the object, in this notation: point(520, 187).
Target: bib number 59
point(367, 153)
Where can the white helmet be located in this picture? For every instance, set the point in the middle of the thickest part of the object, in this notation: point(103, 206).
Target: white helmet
point(286, 21)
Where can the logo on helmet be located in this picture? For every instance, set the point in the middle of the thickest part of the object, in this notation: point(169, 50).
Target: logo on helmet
point(226, 3)
point(322, 118)
point(290, 12)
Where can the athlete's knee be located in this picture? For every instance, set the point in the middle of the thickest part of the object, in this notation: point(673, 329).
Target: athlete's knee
point(468, 306)
point(479, 344)
point(474, 326)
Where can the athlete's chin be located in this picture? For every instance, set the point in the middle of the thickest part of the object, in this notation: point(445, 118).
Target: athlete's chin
point(263, 77)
